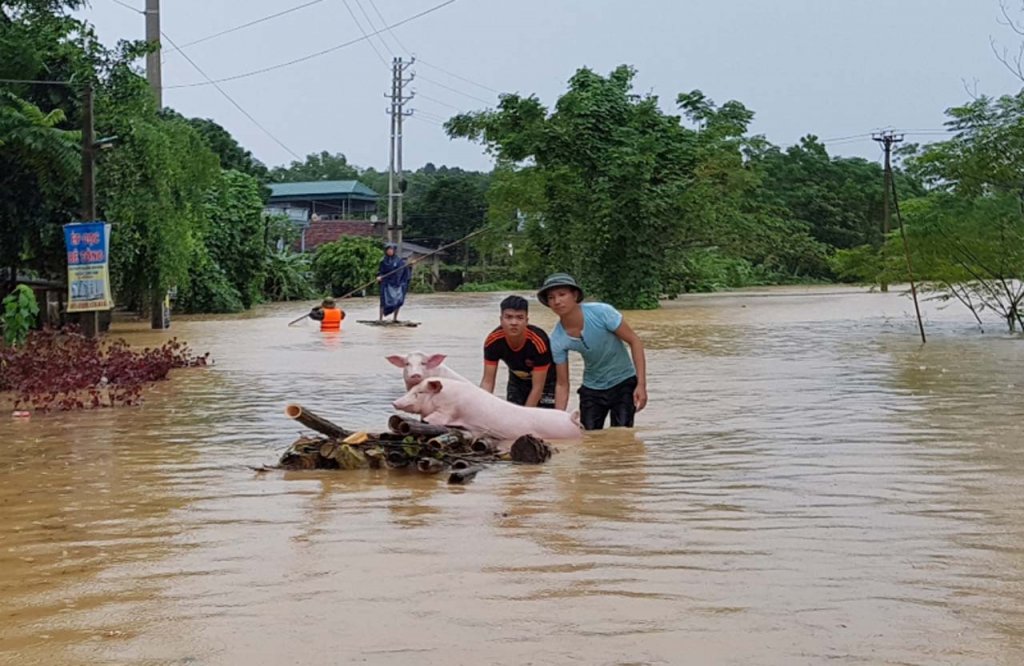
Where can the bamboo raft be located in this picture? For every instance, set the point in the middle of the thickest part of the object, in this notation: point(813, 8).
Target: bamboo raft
point(388, 322)
point(407, 444)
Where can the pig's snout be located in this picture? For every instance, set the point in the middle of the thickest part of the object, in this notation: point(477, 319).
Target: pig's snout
point(413, 380)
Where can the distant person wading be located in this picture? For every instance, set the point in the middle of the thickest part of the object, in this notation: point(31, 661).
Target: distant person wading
point(328, 314)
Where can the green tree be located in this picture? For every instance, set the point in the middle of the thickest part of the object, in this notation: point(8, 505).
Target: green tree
point(236, 236)
point(37, 161)
point(614, 167)
point(231, 154)
point(154, 187)
point(316, 166)
point(346, 264)
point(452, 207)
point(18, 315)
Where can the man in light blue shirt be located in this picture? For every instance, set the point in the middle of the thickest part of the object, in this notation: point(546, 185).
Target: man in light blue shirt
point(614, 381)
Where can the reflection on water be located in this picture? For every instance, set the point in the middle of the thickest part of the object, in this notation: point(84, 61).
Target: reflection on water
point(808, 484)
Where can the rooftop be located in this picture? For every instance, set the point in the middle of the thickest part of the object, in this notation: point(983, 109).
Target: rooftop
point(320, 189)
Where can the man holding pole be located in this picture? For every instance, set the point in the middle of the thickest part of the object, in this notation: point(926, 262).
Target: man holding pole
point(394, 276)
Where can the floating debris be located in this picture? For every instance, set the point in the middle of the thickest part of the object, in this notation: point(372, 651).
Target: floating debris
point(429, 449)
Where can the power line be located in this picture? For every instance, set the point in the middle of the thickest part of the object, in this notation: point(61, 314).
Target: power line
point(426, 120)
point(461, 78)
point(39, 81)
point(431, 116)
point(370, 23)
point(454, 90)
point(127, 6)
point(393, 35)
point(229, 30)
point(314, 55)
point(421, 61)
point(360, 26)
point(249, 24)
point(437, 101)
point(231, 99)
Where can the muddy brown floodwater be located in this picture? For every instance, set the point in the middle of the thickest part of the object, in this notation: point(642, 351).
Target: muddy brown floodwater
point(808, 485)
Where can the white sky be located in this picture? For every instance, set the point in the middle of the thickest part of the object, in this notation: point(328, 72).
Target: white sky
point(835, 68)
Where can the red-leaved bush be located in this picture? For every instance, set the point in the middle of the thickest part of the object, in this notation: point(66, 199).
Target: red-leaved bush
point(63, 369)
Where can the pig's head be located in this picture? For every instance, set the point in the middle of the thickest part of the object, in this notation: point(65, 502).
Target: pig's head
point(423, 398)
point(416, 366)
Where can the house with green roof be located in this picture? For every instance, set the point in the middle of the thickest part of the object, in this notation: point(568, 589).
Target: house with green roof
point(327, 210)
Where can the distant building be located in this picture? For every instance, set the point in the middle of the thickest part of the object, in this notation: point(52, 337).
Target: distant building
point(327, 210)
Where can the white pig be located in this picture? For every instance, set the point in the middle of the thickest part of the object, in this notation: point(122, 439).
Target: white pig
point(417, 365)
point(465, 405)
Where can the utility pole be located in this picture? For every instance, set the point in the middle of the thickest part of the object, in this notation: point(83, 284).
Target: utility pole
point(390, 230)
point(396, 180)
point(89, 321)
point(153, 57)
point(160, 316)
point(887, 139)
point(88, 156)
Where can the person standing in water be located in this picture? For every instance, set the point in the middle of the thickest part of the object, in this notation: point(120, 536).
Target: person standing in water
point(394, 276)
point(614, 380)
point(328, 314)
point(526, 351)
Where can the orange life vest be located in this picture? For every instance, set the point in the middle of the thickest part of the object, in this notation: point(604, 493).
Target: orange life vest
point(332, 319)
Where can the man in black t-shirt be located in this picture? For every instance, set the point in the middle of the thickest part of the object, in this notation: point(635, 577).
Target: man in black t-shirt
point(526, 351)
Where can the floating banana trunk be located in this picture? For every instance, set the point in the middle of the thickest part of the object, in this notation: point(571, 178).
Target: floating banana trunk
point(314, 422)
point(463, 476)
point(483, 446)
point(429, 465)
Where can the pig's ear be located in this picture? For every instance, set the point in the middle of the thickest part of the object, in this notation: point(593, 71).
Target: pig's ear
point(396, 360)
point(435, 360)
point(434, 385)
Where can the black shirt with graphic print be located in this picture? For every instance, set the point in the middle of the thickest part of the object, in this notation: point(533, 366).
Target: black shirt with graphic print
point(534, 353)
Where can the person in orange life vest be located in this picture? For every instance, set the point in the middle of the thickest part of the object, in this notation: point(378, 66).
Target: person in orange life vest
point(328, 314)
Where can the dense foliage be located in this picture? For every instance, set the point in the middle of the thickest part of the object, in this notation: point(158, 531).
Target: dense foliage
point(346, 264)
point(18, 312)
point(966, 233)
point(64, 370)
point(641, 204)
point(185, 199)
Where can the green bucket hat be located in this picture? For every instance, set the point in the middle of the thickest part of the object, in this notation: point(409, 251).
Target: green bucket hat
point(558, 280)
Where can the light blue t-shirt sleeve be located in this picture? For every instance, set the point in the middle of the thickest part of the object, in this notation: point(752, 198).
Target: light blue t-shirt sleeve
point(559, 352)
point(608, 316)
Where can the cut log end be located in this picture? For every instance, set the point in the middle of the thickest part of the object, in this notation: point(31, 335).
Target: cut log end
point(530, 449)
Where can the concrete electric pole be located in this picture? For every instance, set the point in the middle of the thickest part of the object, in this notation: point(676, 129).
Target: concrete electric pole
point(160, 315)
point(887, 139)
point(396, 180)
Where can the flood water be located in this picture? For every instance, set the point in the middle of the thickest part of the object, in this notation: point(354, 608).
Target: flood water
point(808, 485)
